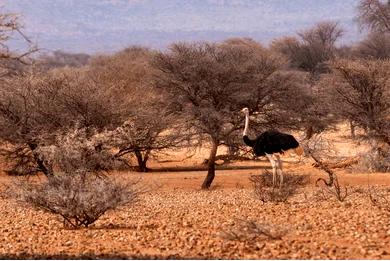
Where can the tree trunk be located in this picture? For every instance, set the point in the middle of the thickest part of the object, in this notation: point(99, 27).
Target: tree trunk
point(309, 132)
point(47, 170)
point(352, 126)
point(142, 159)
point(211, 166)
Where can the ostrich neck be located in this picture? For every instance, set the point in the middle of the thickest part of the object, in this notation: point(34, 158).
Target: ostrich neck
point(245, 133)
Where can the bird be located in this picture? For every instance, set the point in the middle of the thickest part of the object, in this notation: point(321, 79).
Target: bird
point(271, 144)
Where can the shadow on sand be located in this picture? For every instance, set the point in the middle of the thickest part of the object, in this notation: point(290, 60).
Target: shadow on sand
point(204, 168)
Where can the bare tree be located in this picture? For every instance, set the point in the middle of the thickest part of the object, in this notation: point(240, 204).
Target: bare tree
point(312, 48)
point(375, 46)
point(145, 134)
point(111, 95)
point(374, 15)
point(312, 112)
point(309, 53)
point(149, 128)
point(208, 84)
point(127, 69)
point(10, 60)
point(36, 107)
point(21, 100)
point(361, 93)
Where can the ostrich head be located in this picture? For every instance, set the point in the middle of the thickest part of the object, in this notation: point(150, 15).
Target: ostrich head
point(245, 110)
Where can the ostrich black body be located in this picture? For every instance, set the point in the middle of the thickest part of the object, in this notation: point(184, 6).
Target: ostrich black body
point(270, 142)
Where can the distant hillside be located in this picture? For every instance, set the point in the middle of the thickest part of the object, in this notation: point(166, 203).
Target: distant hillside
point(108, 25)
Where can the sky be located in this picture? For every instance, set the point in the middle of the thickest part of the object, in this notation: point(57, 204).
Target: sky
point(96, 26)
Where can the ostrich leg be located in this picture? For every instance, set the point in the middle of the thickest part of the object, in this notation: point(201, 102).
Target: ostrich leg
point(274, 166)
point(280, 170)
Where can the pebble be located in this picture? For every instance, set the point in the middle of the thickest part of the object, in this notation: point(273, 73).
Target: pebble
point(188, 224)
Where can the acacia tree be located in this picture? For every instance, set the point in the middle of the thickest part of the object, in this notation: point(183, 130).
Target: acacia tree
point(22, 99)
point(148, 128)
point(109, 96)
point(207, 84)
point(361, 93)
point(36, 107)
point(146, 134)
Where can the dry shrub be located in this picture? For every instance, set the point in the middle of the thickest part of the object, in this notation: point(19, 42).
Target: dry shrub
point(247, 230)
point(19, 160)
point(317, 149)
point(380, 198)
point(266, 192)
point(78, 189)
point(333, 189)
point(80, 199)
point(376, 160)
point(79, 150)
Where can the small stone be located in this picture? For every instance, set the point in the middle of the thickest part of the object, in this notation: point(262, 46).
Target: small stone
point(68, 243)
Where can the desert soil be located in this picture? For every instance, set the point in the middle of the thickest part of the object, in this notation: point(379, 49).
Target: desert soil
point(176, 219)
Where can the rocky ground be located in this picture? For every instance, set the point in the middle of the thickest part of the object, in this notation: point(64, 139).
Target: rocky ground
point(177, 220)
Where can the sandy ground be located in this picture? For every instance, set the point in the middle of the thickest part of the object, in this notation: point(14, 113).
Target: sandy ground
point(176, 219)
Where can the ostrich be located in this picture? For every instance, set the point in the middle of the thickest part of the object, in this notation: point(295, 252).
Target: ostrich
point(271, 144)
